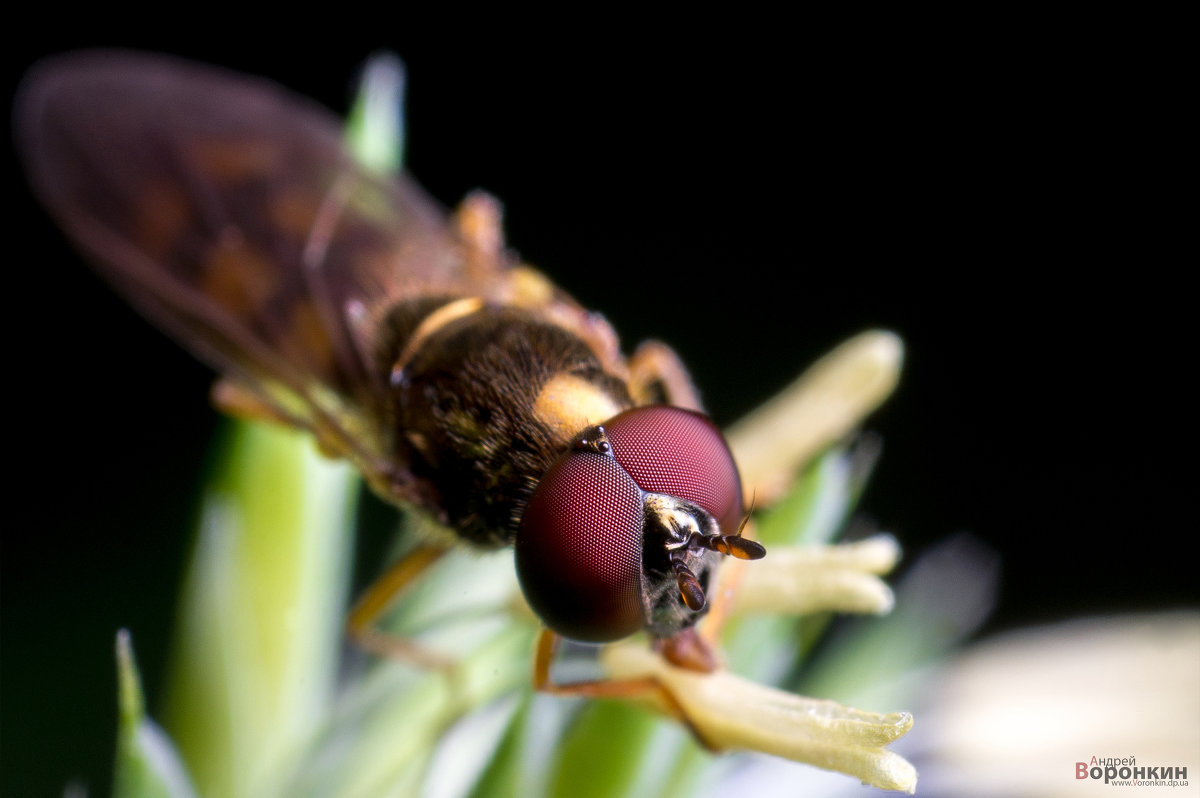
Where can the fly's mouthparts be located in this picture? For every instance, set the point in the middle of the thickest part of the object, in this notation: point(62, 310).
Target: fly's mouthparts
point(689, 586)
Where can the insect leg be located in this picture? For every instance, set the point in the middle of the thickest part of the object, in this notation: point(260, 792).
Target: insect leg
point(657, 375)
point(646, 688)
point(479, 222)
point(379, 597)
point(235, 398)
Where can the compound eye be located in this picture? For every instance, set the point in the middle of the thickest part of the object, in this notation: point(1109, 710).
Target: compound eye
point(680, 453)
point(582, 546)
point(579, 549)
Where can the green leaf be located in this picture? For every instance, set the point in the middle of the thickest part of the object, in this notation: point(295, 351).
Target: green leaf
point(261, 613)
point(147, 764)
point(502, 777)
point(375, 128)
point(601, 757)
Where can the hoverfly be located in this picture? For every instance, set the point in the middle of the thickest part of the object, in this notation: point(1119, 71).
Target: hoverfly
point(459, 381)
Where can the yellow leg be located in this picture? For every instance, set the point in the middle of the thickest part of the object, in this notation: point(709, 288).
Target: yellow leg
point(648, 689)
point(379, 597)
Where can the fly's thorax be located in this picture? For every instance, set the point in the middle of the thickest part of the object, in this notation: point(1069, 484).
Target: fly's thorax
point(568, 403)
point(486, 398)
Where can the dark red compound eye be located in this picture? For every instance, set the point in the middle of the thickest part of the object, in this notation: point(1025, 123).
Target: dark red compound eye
point(580, 547)
point(680, 453)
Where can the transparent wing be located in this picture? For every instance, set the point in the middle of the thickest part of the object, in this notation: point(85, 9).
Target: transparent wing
point(228, 212)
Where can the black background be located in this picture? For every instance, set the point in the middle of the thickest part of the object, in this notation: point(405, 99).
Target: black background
point(1001, 198)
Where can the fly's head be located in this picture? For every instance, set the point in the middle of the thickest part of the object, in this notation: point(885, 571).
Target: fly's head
point(624, 531)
